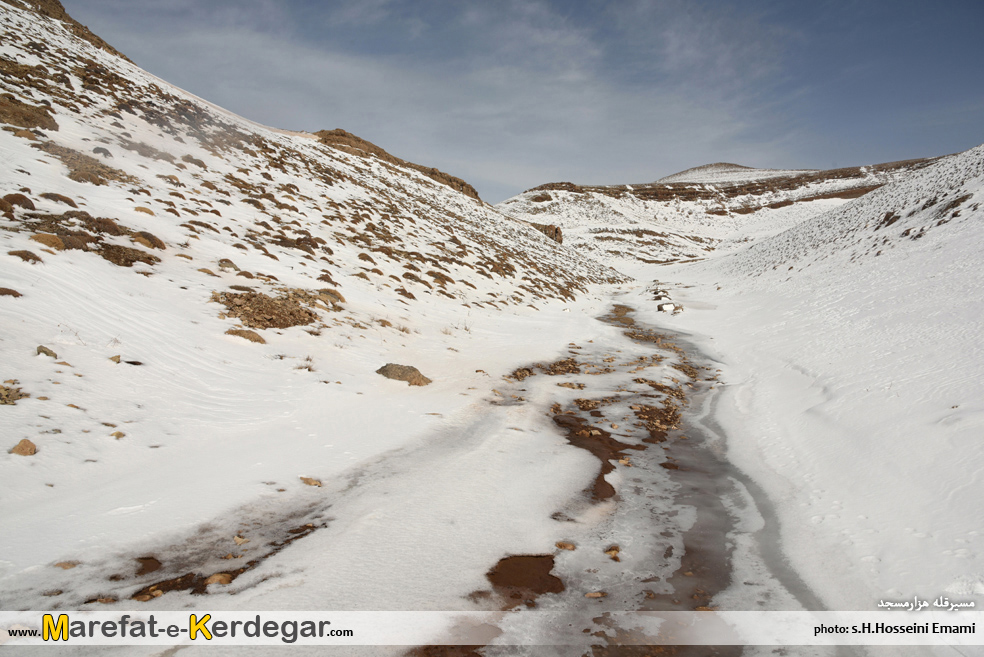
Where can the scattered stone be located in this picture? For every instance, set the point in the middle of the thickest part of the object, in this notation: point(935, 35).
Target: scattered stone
point(612, 553)
point(47, 352)
point(311, 482)
point(406, 373)
point(240, 540)
point(118, 434)
point(115, 359)
point(563, 545)
point(596, 594)
point(25, 448)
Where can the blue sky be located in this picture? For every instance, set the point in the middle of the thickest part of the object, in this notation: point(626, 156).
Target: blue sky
point(509, 95)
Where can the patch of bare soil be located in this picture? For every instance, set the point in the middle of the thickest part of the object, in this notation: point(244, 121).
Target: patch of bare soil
point(259, 311)
point(600, 443)
point(520, 579)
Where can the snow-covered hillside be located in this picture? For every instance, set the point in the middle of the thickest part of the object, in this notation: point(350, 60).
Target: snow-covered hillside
point(703, 210)
point(212, 299)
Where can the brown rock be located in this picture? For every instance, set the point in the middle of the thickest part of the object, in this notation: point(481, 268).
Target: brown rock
point(404, 373)
point(563, 545)
point(219, 578)
point(25, 448)
point(311, 482)
point(47, 352)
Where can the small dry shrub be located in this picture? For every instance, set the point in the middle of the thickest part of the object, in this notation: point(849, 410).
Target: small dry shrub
point(193, 160)
point(144, 210)
point(125, 256)
point(103, 225)
point(26, 256)
point(19, 200)
point(58, 198)
point(149, 240)
point(49, 240)
point(252, 336)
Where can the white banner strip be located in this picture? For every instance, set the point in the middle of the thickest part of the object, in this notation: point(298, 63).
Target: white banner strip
point(766, 628)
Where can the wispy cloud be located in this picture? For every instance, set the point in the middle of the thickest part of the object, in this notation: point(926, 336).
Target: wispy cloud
point(505, 93)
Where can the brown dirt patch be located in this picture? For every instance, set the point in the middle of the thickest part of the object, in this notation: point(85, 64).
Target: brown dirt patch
point(520, 579)
point(600, 443)
point(7, 292)
point(148, 565)
point(259, 311)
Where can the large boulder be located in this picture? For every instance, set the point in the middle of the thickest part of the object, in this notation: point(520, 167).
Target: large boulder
point(403, 373)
